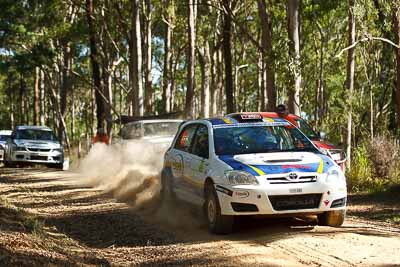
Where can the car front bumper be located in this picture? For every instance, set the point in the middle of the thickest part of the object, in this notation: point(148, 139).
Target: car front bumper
point(307, 198)
point(52, 157)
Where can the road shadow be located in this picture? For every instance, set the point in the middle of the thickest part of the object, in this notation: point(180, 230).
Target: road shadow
point(111, 228)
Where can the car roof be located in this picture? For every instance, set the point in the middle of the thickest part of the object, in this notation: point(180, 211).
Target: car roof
point(153, 121)
point(275, 115)
point(244, 117)
point(5, 132)
point(32, 127)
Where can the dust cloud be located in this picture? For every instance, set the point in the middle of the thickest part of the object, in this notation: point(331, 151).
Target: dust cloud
point(129, 171)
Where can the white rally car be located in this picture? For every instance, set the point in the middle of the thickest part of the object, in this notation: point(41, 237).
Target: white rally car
point(249, 165)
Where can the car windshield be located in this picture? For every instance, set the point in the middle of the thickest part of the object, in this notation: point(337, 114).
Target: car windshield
point(4, 137)
point(34, 134)
point(160, 128)
point(260, 139)
point(306, 129)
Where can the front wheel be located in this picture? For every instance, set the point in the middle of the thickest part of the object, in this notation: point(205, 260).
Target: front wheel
point(9, 164)
point(217, 223)
point(334, 218)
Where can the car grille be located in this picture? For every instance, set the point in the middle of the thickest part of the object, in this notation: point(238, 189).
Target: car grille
point(285, 180)
point(295, 202)
point(35, 157)
point(31, 149)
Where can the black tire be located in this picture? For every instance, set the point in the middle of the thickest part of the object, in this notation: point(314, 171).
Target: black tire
point(217, 223)
point(334, 218)
point(9, 164)
point(167, 192)
point(58, 166)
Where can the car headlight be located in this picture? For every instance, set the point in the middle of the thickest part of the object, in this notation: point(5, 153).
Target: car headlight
point(19, 148)
point(240, 177)
point(334, 175)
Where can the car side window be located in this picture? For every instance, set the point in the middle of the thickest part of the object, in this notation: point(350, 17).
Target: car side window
point(200, 144)
point(186, 137)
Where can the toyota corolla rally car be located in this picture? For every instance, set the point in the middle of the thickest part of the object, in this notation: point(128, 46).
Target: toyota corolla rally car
point(249, 165)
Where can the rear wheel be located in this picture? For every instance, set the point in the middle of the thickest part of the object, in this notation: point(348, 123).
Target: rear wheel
point(167, 193)
point(334, 218)
point(217, 223)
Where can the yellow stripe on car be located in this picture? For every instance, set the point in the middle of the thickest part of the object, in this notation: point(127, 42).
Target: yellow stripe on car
point(257, 170)
point(321, 166)
point(227, 120)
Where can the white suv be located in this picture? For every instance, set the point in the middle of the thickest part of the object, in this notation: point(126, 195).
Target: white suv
point(249, 165)
point(34, 144)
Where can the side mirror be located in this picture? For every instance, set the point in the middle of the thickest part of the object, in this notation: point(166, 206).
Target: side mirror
point(322, 135)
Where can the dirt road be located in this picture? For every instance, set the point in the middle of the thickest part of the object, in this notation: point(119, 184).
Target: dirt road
point(46, 219)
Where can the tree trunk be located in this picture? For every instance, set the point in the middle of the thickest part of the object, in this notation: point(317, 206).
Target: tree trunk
point(214, 84)
point(350, 77)
point(261, 84)
point(294, 56)
point(42, 99)
point(148, 78)
point(64, 88)
point(227, 25)
point(95, 65)
point(267, 55)
point(135, 62)
point(396, 16)
point(21, 102)
point(166, 93)
point(205, 80)
point(36, 97)
point(191, 60)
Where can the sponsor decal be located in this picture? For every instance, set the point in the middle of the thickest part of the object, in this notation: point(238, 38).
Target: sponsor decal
point(256, 124)
point(224, 190)
point(296, 166)
point(242, 194)
point(201, 166)
point(177, 165)
point(251, 117)
point(326, 202)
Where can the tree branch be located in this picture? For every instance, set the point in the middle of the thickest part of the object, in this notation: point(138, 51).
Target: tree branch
point(367, 39)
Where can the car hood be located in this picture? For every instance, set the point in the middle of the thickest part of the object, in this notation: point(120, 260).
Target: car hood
point(37, 143)
point(324, 144)
point(280, 162)
point(159, 139)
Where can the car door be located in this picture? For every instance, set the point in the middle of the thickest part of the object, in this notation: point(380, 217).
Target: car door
point(180, 162)
point(199, 162)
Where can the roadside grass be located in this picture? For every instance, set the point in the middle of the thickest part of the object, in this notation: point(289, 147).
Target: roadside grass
point(39, 244)
point(16, 218)
point(381, 206)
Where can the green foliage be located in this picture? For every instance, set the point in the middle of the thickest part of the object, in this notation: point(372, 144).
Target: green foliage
point(375, 165)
